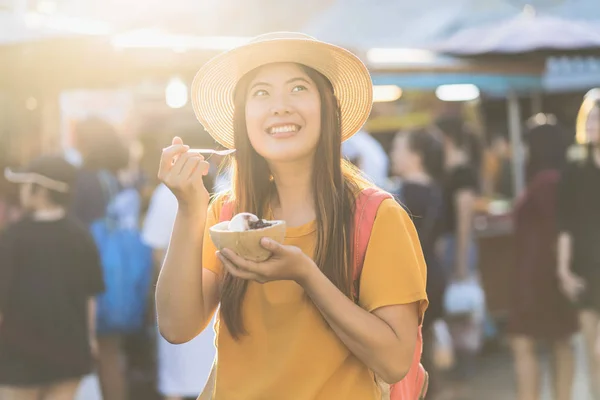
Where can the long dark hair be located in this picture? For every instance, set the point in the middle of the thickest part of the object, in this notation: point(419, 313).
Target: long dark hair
point(431, 151)
point(547, 145)
point(335, 183)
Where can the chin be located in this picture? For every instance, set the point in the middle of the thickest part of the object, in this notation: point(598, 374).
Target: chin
point(286, 154)
point(286, 150)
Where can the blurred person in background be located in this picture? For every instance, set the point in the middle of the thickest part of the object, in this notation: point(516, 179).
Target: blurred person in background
point(539, 311)
point(103, 156)
point(102, 150)
point(497, 167)
point(50, 274)
point(364, 151)
point(183, 370)
point(463, 300)
point(418, 159)
point(9, 200)
point(579, 225)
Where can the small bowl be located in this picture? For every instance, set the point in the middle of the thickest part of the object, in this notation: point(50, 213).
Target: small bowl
point(246, 244)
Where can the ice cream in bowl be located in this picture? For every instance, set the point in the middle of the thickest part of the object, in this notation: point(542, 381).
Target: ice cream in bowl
point(242, 234)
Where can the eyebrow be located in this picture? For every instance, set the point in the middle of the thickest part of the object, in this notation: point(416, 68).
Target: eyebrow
point(299, 78)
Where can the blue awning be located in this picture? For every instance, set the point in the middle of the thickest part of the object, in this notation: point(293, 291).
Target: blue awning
point(492, 84)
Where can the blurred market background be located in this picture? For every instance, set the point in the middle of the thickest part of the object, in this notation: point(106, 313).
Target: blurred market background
point(496, 63)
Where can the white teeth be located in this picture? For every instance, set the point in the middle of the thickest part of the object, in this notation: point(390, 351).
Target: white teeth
point(283, 129)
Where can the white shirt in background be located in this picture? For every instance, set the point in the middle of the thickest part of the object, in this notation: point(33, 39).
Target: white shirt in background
point(373, 160)
point(182, 369)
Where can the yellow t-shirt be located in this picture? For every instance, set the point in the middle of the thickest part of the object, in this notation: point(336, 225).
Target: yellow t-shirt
point(290, 352)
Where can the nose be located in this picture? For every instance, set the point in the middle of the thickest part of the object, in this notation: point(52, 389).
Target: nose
point(280, 107)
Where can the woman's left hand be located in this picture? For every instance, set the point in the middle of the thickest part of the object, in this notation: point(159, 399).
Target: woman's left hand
point(285, 263)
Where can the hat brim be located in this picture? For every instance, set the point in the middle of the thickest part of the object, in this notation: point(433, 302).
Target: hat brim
point(32, 177)
point(214, 84)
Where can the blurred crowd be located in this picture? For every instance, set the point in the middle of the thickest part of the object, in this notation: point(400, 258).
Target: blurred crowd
point(439, 173)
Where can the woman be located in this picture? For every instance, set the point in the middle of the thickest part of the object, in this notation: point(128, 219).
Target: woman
point(287, 326)
point(538, 310)
point(579, 225)
point(461, 186)
point(418, 158)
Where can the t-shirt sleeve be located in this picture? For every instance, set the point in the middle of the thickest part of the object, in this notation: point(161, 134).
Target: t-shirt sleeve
point(565, 199)
point(160, 218)
point(394, 270)
point(209, 257)
point(7, 265)
point(93, 280)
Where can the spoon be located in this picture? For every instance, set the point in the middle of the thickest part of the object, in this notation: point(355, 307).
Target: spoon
point(212, 151)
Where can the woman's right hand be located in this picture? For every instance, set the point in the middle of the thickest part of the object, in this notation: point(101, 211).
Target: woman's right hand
point(571, 285)
point(182, 172)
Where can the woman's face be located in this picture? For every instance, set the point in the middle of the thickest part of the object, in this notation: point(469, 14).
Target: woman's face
point(592, 126)
point(403, 158)
point(283, 113)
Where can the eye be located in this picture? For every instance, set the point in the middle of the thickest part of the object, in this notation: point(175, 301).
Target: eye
point(260, 93)
point(299, 88)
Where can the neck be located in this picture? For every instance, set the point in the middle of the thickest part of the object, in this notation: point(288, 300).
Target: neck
point(49, 213)
point(417, 176)
point(456, 157)
point(294, 200)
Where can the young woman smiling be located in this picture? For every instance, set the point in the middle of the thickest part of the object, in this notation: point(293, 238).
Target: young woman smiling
point(290, 327)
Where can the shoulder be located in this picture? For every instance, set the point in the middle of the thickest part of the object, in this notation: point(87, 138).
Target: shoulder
point(390, 210)
point(545, 178)
point(577, 154)
point(573, 172)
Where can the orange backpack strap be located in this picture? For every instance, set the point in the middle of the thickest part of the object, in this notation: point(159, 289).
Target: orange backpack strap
point(415, 383)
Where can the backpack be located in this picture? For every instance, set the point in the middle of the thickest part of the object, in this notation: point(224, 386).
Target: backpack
point(126, 261)
point(414, 385)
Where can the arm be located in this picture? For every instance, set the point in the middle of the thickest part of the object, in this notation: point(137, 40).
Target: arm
point(465, 203)
point(186, 294)
point(571, 284)
point(382, 330)
point(384, 340)
point(564, 254)
point(92, 317)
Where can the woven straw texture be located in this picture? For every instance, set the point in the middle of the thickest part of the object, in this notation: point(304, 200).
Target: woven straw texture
point(214, 84)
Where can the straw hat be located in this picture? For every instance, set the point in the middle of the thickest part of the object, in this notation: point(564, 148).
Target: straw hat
point(214, 85)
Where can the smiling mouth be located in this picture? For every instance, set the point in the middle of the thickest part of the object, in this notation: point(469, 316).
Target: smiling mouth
point(290, 128)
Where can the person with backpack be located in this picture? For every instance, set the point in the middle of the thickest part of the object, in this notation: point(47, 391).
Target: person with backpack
point(337, 308)
point(418, 159)
point(111, 212)
point(50, 275)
